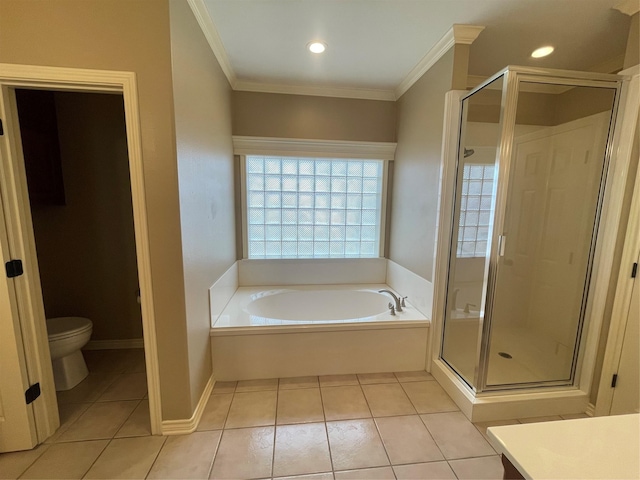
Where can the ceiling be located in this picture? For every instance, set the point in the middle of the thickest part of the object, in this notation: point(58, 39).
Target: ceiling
point(375, 44)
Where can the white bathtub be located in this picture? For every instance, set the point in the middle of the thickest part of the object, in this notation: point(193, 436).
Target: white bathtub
point(287, 331)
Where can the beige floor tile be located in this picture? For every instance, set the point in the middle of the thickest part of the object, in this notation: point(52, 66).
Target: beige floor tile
point(88, 390)
point(244, 453)
point(107, 361)
point(387, 400)
point(573, 416)
point(186, 456)
point(66, 460)
point(252, 409)
point(99, 421)
point(482, 426)
point(13, 464)
point(257, 385)
point(372, 378)
point(425, 471)
point(342, 403)
point(299, 406)
point(127, 458)
point(138, 424)
point(298, 382)
point(215, 413)
point(355, 444)
point(407, 440)
point(224, 387)
point(429, 397)
point(137, 362)
point(129, 386)
point(301, 449)
point(69, 413)
point(550, 418)
point(419, 376)
point(483, 468)
point(313, 476)
point(456, 436)
point(338, 380)
point(379, 473)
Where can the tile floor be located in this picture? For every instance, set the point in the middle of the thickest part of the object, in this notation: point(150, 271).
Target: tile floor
point(374, 426)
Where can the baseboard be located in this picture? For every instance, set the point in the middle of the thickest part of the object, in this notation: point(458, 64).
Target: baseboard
point(114, 344)
point(189, 425)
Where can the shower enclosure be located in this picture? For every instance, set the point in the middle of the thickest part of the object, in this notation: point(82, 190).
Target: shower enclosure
point(533, 156)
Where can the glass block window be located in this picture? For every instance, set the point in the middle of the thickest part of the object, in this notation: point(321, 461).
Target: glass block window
point(475, 209)
point(313, 207)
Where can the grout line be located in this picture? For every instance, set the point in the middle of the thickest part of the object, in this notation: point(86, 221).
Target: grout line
point(326, 431)
point(375, 424)
point(97, 457)
point(156, 457)
point(275, 426)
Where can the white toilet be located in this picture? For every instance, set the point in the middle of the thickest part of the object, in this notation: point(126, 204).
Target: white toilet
point(67, 335)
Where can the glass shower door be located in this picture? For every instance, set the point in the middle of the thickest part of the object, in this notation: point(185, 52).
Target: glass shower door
point(549, 223)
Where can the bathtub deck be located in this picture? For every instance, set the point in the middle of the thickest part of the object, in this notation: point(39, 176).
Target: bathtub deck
point(247, 347)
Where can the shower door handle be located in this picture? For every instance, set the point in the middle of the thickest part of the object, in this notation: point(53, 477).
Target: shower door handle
point(502, 241)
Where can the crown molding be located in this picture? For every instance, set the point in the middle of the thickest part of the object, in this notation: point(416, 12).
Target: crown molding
point(213, 38)
point(315, 90)
point(628, 7)
point(462, 34)
point(613, 65)
point(313, 148)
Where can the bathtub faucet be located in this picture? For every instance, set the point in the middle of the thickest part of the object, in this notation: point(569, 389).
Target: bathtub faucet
point(398, 300)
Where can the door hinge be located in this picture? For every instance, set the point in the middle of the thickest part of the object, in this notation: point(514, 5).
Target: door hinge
point(14, 268)
point(614, 380)
point(634, 270)
point(1, 128)
point(32, 393)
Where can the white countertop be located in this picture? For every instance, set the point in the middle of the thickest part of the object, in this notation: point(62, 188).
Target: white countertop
point(586, 448)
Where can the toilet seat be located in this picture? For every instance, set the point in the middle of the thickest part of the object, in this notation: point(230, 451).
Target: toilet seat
point(64, 327)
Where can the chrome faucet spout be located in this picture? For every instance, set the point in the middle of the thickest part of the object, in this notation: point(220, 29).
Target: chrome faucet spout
point(397, 300)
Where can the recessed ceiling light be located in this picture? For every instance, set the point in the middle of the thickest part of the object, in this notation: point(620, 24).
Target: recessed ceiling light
point(542, 52)
point(317, 47)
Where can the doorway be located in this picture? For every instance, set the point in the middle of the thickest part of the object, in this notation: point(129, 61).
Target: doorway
point(24, 307)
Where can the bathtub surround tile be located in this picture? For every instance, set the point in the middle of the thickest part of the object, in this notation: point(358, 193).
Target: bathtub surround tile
point(244, 453)
point(88, 390)
point(129, 386)
point(387, 400)
point(215, 412)
point(429, 397)
point(301, 449)
point(379, 473)
point(338, 380)
point(257, 385)
point(252, 409)
point(418, 376)
point(298, 382)
point(224, 387)
point(482, 468)
point(100, 421)
point(138, 424)
point(69, 413)
point(456, 436)
point(372, 378)
point(342, 403)
point(407, 440)
point(299, 406)
point(186, 456)
point(355, 444)
point(127, 458)
point(13, 464)
point(426, 471)
point(549, 418)
point(66, 460)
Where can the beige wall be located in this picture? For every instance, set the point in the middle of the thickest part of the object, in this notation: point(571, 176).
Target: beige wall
point(86, 248)
point(632, 53)
point(417, 169)
point(202, 104)
point(303, 116)
point(127, 36)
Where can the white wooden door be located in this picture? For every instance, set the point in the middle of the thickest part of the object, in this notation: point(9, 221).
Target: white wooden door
point(626, 395)
point(17, 424)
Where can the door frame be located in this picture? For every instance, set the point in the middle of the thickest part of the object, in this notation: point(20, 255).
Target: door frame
point(13, 186)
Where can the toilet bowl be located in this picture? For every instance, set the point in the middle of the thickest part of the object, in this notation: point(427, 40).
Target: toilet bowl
point(67, 335)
